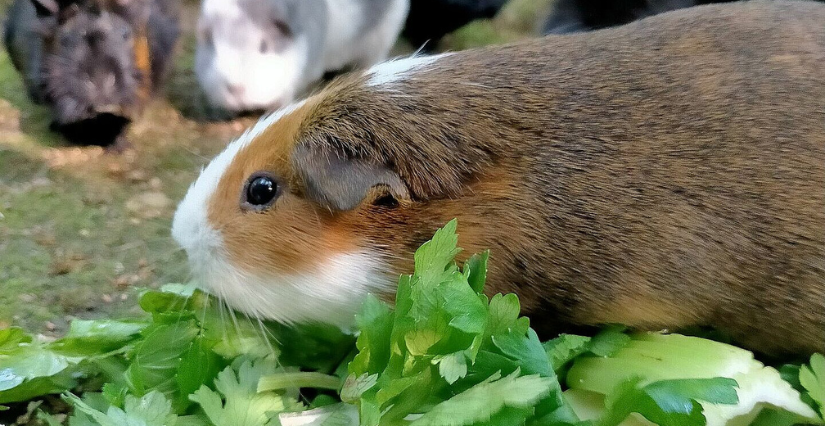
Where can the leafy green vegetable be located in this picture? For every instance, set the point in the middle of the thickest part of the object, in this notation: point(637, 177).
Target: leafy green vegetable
point(488, 398)
point(289, 380)
point(668, 402)
point(444, 349)
point(237, 400)
point(565, 348)
point(153, 409)
point(29, 368)
point(812, 378)
point(658, 376)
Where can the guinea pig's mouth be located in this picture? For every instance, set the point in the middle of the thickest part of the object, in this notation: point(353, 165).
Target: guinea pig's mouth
point(101, 129)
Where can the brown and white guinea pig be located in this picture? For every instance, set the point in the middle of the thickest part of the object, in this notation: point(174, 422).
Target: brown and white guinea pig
point(95, 63)
point(665, 174)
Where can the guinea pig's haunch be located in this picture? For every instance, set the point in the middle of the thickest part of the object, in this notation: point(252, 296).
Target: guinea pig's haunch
point(664, 174)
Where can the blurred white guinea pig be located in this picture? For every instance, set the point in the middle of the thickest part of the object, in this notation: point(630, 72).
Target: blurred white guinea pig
point(262, 54)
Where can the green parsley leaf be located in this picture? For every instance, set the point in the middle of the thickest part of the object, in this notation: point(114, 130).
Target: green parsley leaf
point(153, 409)
point(487, 399)
point(565, 348)
point(668, 402)
point(812, 378)
point(237, 401)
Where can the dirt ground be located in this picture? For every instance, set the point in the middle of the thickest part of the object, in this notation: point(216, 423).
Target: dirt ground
point(81, 231)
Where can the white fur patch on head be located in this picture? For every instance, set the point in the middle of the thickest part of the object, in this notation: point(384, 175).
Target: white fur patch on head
point(399, 69)
point(190, 226)
point(267, 120)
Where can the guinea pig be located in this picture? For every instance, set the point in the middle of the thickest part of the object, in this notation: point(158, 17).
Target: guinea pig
point(95, 63)
point(258, 55)
point(430, 20)
point(665, 174)
point(568, 16)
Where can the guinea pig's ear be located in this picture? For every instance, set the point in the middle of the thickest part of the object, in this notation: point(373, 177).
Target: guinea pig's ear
point(46, 8)
point(67, 11)
point(340, 183)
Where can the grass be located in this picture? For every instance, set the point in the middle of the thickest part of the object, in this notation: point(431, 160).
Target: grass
point(81, 231)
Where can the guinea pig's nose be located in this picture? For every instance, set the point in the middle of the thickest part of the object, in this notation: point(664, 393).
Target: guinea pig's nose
point(236, 90)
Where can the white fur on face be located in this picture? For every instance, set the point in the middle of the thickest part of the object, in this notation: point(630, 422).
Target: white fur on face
point(190, 227)
point(231, 68)
point(399, 69)
point(330, 293)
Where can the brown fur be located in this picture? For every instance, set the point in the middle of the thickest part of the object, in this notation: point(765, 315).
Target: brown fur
point(668, 173)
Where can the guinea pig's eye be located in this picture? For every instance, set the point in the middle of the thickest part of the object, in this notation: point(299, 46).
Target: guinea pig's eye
point(283, 28)
point(205, 34)
point(260, 191)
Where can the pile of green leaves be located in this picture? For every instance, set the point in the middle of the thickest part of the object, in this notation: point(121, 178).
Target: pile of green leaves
point(446, 354)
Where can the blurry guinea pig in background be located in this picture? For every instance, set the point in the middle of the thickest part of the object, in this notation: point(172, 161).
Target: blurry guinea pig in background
point(255, 55)
point(95, 63)
point(569, 16)
point(430, 20)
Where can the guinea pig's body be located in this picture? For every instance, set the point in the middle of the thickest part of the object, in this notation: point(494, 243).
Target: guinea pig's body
point(430, 20)
point(22, 39)
point(257, 55)
point(664, 174)
point(96, 63)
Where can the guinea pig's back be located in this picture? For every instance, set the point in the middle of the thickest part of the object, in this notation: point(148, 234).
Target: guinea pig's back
point(690, 156)
point(694, 158)
point(677, 165)
point(25, 47)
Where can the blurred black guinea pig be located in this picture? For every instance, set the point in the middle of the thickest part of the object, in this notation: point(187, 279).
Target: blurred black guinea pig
point(430, 20)
point(570, 16)
point(95, 63)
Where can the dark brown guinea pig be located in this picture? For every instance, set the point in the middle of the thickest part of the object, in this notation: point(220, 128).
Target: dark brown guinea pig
point(665, 174)
point(95, 63)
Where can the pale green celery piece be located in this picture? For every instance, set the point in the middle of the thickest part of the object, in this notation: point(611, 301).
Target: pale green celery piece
point(341, 414)
point(656, 356)
point(185, 290)
point(301, 379)
point(762, 387)
point(590, 406)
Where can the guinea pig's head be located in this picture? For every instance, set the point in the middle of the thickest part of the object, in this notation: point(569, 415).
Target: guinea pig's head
point(323, 202)
point(92, 80)
point(258, 55)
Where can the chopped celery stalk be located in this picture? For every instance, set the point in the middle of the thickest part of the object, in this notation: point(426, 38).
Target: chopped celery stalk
point(653, 357)
point(760, 388)
point(298, 380)
point(332, 415)
point(590, 406)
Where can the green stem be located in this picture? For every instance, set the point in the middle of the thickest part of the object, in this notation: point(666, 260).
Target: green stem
point(298, 380)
